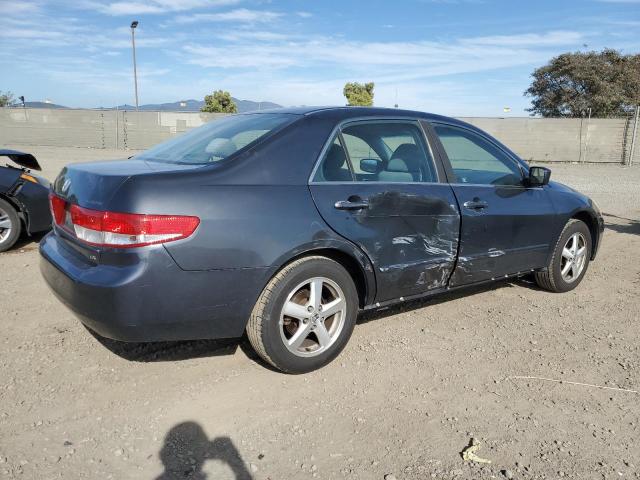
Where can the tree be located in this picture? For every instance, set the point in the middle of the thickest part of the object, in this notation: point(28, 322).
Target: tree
point(606, 82)
point(219, 102)
point(358, 94)
point(6, 99)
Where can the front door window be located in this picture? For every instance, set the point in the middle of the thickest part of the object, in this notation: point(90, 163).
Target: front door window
point(476, 160)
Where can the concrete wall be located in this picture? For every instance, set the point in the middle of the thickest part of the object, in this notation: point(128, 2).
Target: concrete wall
point(94, 128)
point(534, 139)
point(600, 140)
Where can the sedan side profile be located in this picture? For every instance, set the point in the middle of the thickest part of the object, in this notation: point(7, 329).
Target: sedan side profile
point(286, 223)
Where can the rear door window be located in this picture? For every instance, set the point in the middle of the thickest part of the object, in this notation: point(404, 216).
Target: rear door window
point(389, 151)
point(359, 150)
point(334, 166)
point(378, 151)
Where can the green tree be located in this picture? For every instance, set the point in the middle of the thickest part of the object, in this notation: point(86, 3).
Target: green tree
point(358, 94)
point(6, 98)
point(219, 102)
point(606, 82)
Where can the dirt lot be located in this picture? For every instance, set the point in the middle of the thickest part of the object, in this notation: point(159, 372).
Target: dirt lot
point(407, 395)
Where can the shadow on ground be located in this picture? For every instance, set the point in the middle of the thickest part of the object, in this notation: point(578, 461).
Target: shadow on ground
point(631, 226)
point(26, 243)
point(169, 351)
point(186, 448)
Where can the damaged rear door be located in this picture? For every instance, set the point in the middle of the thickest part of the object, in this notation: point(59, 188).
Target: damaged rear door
point(378, 186)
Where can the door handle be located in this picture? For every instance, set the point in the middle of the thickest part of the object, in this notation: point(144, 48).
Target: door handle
point(351, 204)
point(475, 204)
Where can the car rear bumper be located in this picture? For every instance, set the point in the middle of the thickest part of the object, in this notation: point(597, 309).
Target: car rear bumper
point(150, 298)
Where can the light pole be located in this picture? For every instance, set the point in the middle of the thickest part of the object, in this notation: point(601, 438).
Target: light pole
point(134, 24)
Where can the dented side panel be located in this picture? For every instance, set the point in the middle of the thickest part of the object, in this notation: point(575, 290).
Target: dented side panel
point(514, 233)
point(409, 231)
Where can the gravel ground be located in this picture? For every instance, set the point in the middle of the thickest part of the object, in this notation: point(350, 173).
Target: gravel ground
point(410, 392)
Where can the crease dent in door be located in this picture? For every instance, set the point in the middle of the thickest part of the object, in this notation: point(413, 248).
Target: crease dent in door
point(423, 259)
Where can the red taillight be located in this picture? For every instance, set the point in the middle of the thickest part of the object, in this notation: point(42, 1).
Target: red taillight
point(57, 208)
point(122, 230)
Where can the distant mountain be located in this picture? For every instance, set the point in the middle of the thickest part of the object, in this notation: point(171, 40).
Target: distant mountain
point(189, 106)
point(41, 105)
point(196, 105)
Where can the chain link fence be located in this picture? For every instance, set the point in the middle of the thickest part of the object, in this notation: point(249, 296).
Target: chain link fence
point(583, 140)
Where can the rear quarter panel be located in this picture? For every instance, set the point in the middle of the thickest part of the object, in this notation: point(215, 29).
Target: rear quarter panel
point(249, 226)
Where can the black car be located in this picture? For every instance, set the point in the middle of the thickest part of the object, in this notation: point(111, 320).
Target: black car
point(24, 204)
point(288, 223)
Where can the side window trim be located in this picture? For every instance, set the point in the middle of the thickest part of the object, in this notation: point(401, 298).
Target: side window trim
point(346, 154)
point(448, 166)
point(337, 132)
point(443, 167)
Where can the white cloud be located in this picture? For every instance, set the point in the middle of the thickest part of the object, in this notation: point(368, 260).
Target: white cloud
point(240, 15)
point(18, 7)
point(249, 35)
point(413, 59)
point(152, 6)
point(530, 39)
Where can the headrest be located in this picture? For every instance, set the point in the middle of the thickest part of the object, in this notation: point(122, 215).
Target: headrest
point(406, 158)
point(335, 158)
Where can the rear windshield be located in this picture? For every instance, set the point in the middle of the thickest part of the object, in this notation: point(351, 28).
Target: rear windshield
point(216, 140)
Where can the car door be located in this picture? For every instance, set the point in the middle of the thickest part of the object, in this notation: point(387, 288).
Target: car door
point(502, 219)
point(377, 185)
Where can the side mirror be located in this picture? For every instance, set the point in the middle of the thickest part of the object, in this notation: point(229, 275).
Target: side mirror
point(538, 176)
point(371, 165)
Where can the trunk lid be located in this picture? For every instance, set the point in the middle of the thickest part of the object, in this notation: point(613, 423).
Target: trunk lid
point(94, 184)
point(23, 159)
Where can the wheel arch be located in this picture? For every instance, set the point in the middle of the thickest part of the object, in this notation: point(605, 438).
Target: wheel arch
point(20, 210)
point(351, 259)
point(591, 221)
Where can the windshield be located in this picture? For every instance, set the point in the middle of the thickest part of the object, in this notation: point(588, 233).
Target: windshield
point(216, 140)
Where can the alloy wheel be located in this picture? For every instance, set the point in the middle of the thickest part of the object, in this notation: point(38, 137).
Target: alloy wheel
point(313, 317)
point(574, 257)
point(5, 225)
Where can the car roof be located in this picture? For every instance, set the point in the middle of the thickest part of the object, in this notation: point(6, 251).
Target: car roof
point(340, 113)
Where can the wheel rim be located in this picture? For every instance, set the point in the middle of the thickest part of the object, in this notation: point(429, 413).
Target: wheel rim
point(313, 317)
point(574, 257)
point(5, 225)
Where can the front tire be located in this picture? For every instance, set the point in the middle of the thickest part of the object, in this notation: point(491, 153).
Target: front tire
point(10, 226)
point(305, 315)
point(570, 259)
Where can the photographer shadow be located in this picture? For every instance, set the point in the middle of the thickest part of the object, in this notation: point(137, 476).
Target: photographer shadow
point(186, 448)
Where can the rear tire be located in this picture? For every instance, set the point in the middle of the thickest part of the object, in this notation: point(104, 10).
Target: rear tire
point(305, 315)
point(10, 226)
point(570, 259)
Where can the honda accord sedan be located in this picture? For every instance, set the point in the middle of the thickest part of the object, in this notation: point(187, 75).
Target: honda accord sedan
point(287, 223)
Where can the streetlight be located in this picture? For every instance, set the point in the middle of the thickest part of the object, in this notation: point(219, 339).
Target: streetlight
point(134, 24)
